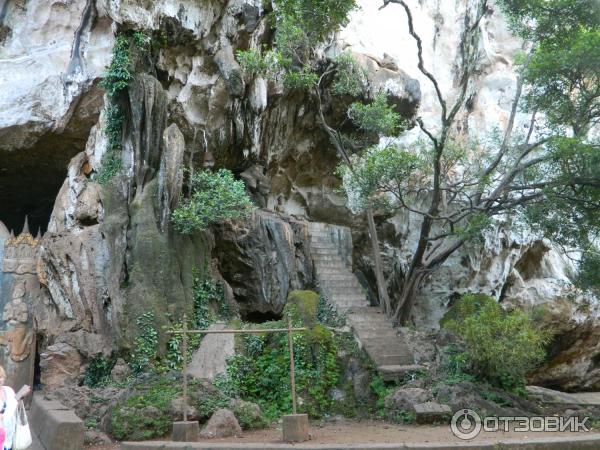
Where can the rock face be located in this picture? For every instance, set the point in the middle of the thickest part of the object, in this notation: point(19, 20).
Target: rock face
point(109, 254)
point(264, 261)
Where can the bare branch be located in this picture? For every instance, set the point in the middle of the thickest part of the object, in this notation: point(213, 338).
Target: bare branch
point(511, 123)
point(421, 65)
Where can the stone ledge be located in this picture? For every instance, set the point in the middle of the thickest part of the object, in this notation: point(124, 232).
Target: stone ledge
point(57, 427)
point(558, 443)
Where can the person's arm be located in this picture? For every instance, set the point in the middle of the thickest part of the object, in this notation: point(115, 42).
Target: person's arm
point(26, 389)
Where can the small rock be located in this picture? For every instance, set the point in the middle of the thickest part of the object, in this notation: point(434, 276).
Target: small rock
point(405, 399)
point(96, 437)
point(431, 412)
point(222, 424)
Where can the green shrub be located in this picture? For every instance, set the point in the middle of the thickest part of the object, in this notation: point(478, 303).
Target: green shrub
point(97, 372)
point(261, 373)
point(147, 413)
point(501, 347)
point(327, 314)
point(302, 306)
point(215, 196)
point(349, 76)
point(376, 117)
point(249, 415)
point(145, 344)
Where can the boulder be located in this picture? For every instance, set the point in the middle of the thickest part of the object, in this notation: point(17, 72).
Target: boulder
point(210, 359)
point(221, 424)
point(405, 399)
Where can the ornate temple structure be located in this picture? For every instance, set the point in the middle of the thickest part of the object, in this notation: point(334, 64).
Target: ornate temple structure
point(19, 284)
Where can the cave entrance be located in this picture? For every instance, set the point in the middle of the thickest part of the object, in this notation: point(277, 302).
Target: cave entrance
point(30, 180)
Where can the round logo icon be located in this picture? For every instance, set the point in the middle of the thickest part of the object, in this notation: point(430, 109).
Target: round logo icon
point(466, 424)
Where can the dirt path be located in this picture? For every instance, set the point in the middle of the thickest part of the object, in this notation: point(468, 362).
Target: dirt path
point(350, 432)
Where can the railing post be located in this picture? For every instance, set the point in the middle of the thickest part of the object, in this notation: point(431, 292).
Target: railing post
point(292, 370)
point(184, 355)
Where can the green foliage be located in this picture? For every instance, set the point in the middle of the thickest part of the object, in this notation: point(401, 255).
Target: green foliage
point(377, 171)
point(97, 372)
point(209, 305)
point(116, 80)
point(215, 196)
point(589, 272)
point(380, 390)
point(174, 358)
point(248, 416)
point(142, 41)
point(349, 76)
point(261, 374)
point(316, 18)
point(328, 315)
point(456, 365)
point(303, 24)
point(403, 416)
point(146, 414)
point(475, 227)
point(119, 73)
point(500, 346)
point(266, 63)
point(91, 422)
point(544, 20)
point(304, 78)
point(302, 306)
point(377, 117)
point(565, 81)
point(111, 166)
point(145, 344)
point(300, 26)
point(209, 302)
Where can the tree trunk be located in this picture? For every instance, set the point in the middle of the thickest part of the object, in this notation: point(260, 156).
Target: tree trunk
point(412, 284)
point(384, 299)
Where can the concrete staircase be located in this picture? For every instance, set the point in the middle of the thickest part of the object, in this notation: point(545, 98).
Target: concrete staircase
point(331, 250)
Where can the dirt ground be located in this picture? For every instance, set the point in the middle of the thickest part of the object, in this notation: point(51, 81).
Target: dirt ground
point(350, 432)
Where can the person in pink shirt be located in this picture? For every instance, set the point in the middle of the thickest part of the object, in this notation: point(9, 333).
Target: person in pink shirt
point(8, 410)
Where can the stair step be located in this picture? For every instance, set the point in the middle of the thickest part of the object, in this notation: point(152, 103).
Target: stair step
point(398, 371)
point(366, 327)
point(356, 319)
point(342, 287)
point(370, 311)
point(334, 270)
point(391, 360)
point(335, 276)
point(349, 297)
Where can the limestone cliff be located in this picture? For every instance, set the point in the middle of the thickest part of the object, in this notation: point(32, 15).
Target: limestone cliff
point(108, 253)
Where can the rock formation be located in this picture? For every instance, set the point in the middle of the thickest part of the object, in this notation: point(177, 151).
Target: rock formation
point(110, 254)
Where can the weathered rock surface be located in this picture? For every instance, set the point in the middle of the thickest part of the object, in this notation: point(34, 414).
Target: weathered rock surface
point(405, 399)
point(210, 359)
point(264, 260)
point(221, 424)
point(60, 365)
point(109, 254)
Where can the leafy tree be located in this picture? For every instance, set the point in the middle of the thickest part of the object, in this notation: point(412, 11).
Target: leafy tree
point(548, 176)
point(215, 196)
